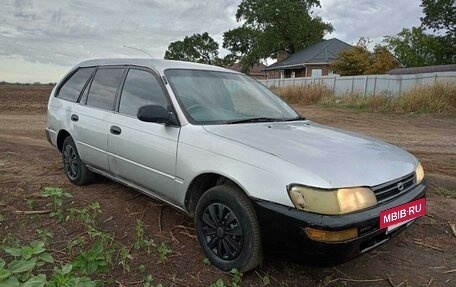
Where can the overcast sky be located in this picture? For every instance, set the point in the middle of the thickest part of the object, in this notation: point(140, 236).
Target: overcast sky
point(41, 39)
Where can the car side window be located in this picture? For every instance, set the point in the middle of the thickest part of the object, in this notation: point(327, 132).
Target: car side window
point(104, 88)
point(141, 88)
point(73, 86)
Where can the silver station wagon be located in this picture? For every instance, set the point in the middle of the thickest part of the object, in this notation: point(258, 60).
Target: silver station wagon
point(255, 175)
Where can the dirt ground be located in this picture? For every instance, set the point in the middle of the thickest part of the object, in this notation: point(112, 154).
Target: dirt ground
point(423, 255)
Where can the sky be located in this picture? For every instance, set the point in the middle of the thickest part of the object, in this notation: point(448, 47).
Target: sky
point(40, 40)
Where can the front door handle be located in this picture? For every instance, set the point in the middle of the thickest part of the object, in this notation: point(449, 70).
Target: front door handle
point(74, 118)
point(115, 130)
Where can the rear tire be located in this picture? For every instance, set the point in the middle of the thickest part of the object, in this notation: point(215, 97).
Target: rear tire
point(75, 169)
point(227, 229)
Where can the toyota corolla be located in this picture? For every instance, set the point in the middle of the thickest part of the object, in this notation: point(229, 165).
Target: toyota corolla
point(256, 176)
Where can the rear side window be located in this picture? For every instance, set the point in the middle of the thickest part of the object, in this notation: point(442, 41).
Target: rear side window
point(104, 87)
point(141, 88)
point(73, 86)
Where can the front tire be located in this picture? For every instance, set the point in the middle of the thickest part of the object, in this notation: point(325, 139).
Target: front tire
point(75, 169)
point(227, 229)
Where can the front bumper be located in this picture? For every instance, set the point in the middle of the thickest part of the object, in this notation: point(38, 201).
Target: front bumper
point(283, 230)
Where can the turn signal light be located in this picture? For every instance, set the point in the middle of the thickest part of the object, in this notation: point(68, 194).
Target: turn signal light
point(331, 236)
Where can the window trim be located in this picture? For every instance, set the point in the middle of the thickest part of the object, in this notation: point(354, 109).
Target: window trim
point(119, 85)
point(68, 77)
point(87, 87)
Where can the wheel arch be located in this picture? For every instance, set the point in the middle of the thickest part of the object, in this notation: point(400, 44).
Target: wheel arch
point(63, 134)
point(201, 183)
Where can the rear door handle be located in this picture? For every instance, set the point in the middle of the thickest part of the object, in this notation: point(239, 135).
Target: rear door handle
point(74, 118)
point(115, 130)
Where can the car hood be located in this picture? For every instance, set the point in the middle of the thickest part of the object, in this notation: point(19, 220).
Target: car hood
point(341, 158)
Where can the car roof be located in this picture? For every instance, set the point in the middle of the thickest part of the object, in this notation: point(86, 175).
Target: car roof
point(156, 64)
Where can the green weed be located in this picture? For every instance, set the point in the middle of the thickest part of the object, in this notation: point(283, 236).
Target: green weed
point(77, 241)
point(163, 251)
point(236, 280)
point(149, 280)
point(44, 235)
point(57, 195)
point(95, 260)
point(124, 257)
point(451, 193)
point(142, 242)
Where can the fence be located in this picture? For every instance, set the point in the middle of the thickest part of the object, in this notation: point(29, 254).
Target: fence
point(368, 84)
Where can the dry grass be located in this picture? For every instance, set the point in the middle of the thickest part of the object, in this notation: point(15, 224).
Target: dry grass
point(437, 99)
point(305, 95)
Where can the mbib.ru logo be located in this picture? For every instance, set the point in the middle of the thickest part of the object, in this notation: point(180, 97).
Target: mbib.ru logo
point(402, 213)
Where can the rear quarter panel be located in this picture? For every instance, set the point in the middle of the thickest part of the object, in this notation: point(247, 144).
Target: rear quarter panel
point(58, 116)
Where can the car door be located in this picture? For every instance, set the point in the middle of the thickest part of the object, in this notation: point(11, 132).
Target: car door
point(143, 153)
point(90, 116)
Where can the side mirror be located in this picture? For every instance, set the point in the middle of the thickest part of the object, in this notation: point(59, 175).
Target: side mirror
point(156, 114)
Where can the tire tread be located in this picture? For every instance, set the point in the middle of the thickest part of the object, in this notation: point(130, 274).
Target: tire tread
point(246, 205)
point(85, 176)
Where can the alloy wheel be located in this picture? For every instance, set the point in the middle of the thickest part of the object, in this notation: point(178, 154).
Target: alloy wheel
point(222, 231)
point(70, 161)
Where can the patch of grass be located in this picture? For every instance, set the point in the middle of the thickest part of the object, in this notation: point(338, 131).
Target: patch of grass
point(303, 95)
point(379, 103)
point(451, 193)
point(439, 99)
point(436, 99)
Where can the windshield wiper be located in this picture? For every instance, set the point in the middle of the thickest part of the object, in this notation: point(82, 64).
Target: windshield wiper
point(299, 118)
point(254, 120)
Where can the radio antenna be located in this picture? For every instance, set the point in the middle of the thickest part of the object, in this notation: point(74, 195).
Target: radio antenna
point(138, 49)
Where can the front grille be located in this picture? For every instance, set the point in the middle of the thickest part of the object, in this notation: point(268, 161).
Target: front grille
point(392, 189)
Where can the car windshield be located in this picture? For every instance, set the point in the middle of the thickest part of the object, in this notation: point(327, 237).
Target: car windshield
point(211, 97)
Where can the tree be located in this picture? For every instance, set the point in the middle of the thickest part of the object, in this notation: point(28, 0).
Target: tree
point(200, 48)
point(226, 61)
point(414, 48)
point(434, 42)
point(382, 62)
point(270, 26)
point(439, 14)
point(359, 61)
point(242, 44)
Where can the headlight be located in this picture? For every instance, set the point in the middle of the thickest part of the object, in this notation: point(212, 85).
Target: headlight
point(332, 202)
point(419, 172)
